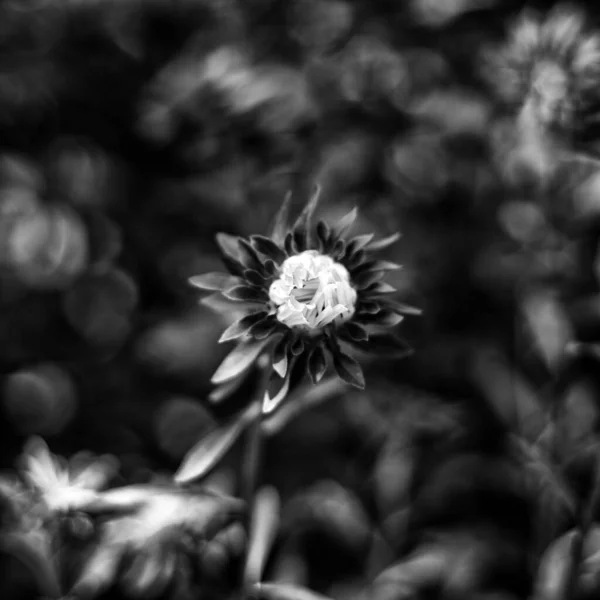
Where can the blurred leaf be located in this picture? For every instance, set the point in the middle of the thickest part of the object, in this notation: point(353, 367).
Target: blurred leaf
point(285, 591)
point(211, 448)
point(263, 531)
point(239, 360)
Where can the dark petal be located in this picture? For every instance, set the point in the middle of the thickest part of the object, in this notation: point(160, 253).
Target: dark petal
point(354, 261)
point(399, 307)
point(239, 360)
point(358, 243)
point(297, 346)
point(344, 224)
point(269, 248)
point(300, 240)
point(228, 244)
point(270, 268)
point(348, 369)
point(281, 349)
point(323, 232)
point(367, 278)
point(215, 282)
point(280, 224)
point(383, 243)
point(254, 278)
point(356, 332)
point(244, 293)
point(338, 250)
point(380, 288)
point(317, 363)
point(303, 225)
point(368, 307)
point(384, 318)
point(385, 344)
point(263, 328)
point(290, 246)
point(249, 257)
point(241, 327)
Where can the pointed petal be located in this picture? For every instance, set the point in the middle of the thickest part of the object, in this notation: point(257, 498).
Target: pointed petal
point(369, 308)
point(215, 282)
point(317, 363)
point(239, 360)
point(364, 280)
point(323, 233)
point(348, 369)
point(290, 244)
point(241, 327)
point(383, 243)
point(380, 288)
point(280, 225)
point(297, 347)
point(344, 224)
point(220, 304)
point(359, 242)
point(270, 403)
point(384, 318)
point(281, 366)
point(385, 265)
point(269, 248)
point(244, 293)
point(399, 307)
point(255, 278)
point(303, 225)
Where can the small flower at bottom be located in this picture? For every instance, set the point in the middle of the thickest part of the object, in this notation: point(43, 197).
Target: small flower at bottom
point(302, 291)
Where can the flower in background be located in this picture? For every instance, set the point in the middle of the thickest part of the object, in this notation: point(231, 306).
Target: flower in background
point(64, 486)
point(305, 291)
point(548, 75)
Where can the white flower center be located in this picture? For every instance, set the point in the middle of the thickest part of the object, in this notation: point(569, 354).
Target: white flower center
point(312, 291)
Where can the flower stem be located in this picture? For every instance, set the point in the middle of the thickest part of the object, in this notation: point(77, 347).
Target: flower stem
point(253, 456)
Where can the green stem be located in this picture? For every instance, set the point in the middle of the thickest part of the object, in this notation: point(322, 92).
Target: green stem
point(253, 457)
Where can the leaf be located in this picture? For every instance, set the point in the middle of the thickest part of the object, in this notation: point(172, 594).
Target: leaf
point(214, 281)
point(270, 403)
point(210, 449)
point(239, 360)
point(248, 256)
point(348, 369)
point(280, 225)
point(241, 326)
point(228, 244)
point(269, 248)
point(359, 242)
point(244, 293)
point(285, 591)
point(383, 243)
point(344, 224)
point(225, 390)
point(263, 531)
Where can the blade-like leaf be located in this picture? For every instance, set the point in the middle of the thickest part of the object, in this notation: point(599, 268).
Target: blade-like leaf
point(348, 369)
point(210, 449)
point(383, 243)
point(241, 327)
point(285, 591)
point(239, 360)
point(214, 282)
point(244, 293)
point(344, 224)
point(280, 226)
point(269, 248)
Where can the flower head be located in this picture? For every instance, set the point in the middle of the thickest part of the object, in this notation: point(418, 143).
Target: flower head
point(63, 486)
point(305, 290)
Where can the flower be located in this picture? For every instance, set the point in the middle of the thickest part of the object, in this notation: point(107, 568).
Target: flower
point(302, 292)
point(63, 485)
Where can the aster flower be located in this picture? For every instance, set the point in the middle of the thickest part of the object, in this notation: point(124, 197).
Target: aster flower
point(305, 291)
point(549, 69)
point(64, 486)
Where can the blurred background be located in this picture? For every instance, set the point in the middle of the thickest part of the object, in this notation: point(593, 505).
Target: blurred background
point(132, 131)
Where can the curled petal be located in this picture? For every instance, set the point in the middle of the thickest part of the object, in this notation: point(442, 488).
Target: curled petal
point(317, 364)
point(348, 369)
point(281, 366)
point(244, 293)
point(263, 328)
point(383, 243)
point(369, 308)
point(241, 327)
point(297, 347)
point(215, 282)
point(254, 278)
point(269, 248)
